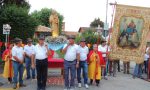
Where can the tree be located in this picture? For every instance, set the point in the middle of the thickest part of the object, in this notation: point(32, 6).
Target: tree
point(97, 22)
point(22, 24)
point(20, 3)
point(43, 15)
point(90, 37)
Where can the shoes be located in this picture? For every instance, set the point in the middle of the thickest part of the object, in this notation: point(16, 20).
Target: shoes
point(22, 85)
point(114, 75)
point(28, 78)
point(79, 85)
point(86, 86)
point(91, 82)
point(15, 86)
point(105, 77)
point(97, 84)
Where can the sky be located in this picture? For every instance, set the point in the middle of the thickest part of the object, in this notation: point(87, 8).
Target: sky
point(80, 13)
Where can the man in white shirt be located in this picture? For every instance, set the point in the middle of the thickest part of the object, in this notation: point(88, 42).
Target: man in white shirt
point(148, 70)
point(18, 59)
point(146, 58)
point(104, 48)
point(41, 53)
point(70, 57)
point(83, 52)
point(29, 50)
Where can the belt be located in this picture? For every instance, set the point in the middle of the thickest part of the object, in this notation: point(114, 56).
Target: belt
point(70, 61)
point(83, 60)
point(41, 59)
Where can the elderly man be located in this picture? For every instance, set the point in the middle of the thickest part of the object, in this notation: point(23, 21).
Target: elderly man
point(18, 59)
point(70, 62)
point(41, 53)
point(83, 51)
point(29, 50)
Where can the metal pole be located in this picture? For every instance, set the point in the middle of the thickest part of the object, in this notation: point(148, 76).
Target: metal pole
point(114, 7)
point(106, 10)
point(106, 17)
point(6, 42)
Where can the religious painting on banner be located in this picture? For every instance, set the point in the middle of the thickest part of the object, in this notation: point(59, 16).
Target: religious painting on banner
point(131, 25)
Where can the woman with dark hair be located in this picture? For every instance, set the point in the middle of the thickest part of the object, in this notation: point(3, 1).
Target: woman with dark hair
point(95, 61)
point(8, 68)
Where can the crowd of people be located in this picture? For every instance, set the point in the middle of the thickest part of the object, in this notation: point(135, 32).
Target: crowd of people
point(79, 62)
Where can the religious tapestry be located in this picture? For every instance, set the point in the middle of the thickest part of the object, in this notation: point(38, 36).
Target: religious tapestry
point(131, 25)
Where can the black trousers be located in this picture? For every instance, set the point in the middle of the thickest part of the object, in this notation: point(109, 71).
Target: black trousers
point(42, 68)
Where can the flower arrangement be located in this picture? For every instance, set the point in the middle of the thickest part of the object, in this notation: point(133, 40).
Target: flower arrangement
point(56, 40)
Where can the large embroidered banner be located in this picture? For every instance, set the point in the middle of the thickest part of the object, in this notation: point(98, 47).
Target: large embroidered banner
point(131, 25)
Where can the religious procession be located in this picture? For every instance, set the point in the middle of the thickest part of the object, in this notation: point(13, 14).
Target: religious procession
point(37, 53)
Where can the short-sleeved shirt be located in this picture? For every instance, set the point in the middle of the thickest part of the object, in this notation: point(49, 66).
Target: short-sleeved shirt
point(147, 50)
point(29, 50)
point(71, 52)
point(40, 52)
point(146, 57)
point(83, 51)
point(103, 49)
point(18, 52)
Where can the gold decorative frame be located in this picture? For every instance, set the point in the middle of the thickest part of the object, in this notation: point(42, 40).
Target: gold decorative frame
point(127, 54)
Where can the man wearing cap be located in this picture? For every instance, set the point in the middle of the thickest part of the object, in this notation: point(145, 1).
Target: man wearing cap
point(41, 53)
point(83, 52)
point(18, 59)
point(29, 50)
point(70, 62)
point(104, 48)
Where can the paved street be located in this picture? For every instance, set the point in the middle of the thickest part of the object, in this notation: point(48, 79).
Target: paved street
point(121, 82)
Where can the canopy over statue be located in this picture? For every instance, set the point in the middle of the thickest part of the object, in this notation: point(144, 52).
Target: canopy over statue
point(54, 23)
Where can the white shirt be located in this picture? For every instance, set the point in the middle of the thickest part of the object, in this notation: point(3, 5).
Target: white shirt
point(103, 49)
point(18, 52)
point(83, 51)
point(29, 50)
point(71, 52)
point(147, 50)
point(146, 56)
point(40, 52)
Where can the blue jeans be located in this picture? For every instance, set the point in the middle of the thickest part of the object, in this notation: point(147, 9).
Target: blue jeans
point(137, 70)
point(107, 66)
point(146, 66)
point(82, 65)
point(28, 68)
point(69, 66)
point(18, 68)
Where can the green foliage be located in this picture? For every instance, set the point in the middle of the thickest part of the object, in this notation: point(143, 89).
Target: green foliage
point(43, 15)
point(61, 55)
point(90, 37)
point(20, 3)
point(97, 22)
point(22, 24)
